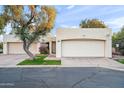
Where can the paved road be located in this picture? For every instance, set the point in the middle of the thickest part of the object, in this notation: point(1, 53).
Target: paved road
point(61, 77)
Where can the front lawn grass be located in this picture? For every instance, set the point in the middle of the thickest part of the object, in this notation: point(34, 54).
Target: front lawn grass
point(121, 61)
point(39, 60)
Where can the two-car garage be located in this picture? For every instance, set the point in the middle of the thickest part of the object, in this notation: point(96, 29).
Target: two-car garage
point(84, 42)
point(83, 48)
point(17, 48)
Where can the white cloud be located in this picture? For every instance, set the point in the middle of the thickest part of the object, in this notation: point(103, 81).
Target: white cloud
point(116, 23)
point(8, 28)
point(1, 38)
point(70, 7)
point(108, 11)
point(76, 12)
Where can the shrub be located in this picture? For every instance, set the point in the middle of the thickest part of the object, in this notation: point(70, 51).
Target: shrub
point(1, 45)
point(43, 49)
point(122, 51)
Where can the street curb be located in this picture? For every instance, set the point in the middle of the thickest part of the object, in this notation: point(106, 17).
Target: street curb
point(57, 66)
point(112, 68)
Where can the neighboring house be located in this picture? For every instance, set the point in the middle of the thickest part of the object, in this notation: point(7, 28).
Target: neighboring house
point(13, 45)
point(69, 42)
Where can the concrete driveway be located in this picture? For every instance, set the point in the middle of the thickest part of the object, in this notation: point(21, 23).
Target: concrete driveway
point(11, 60)
point(64, 77)
point(92, 62)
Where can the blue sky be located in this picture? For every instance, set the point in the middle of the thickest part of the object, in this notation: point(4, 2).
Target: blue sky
point(71, 15)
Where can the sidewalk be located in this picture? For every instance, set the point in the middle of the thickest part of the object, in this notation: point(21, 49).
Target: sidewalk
point(93, 62)
point(10, 61)
point(85, 62)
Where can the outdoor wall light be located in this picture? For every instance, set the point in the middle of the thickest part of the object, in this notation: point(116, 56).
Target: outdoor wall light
point(58, 40)
point(83, 35)
point(108, 35)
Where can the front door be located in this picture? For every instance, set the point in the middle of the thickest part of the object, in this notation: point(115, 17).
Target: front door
point(54, 47)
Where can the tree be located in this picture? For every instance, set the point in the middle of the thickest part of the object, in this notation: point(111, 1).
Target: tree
point(92, 23)
point(118, 38)
point(29, 22)
point(114, 40)
point(1, 45)
point(2, 24)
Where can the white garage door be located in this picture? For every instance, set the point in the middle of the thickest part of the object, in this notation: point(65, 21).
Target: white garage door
point(82, 48)
point(17, 48)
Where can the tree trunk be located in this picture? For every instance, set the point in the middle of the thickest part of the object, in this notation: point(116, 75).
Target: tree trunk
point(26, 49)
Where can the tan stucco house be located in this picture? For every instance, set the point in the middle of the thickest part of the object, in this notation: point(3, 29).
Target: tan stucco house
point(69, 42)
point(13, 45)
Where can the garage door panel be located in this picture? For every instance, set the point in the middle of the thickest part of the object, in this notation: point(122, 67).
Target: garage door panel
point(17, 48)
point(83, 48)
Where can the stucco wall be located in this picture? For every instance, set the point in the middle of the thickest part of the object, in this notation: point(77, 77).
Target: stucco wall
point(13, 39)
point(84, 33)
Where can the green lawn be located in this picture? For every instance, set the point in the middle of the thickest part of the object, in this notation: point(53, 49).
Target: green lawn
point(39, 60)
point(121, 61)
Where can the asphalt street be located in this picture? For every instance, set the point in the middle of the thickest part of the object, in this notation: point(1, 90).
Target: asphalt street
point(61, 77)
